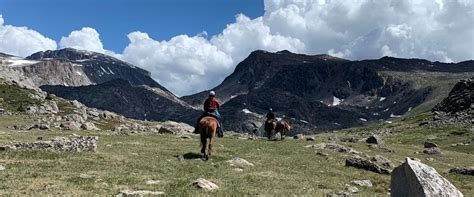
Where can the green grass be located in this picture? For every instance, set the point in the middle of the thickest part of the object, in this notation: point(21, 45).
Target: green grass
point(14, 98)
point(281, 168)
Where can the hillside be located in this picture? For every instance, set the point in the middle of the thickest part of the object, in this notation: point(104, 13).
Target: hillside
point(319, 93)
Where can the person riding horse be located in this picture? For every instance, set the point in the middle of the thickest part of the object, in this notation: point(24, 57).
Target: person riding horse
point(211, 108)
point(270, 122)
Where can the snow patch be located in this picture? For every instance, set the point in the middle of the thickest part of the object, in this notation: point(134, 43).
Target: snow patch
point(304, 121)
point(409, 109)
point(82, 60)
point(386, 109)
point(336, 101)
point(20, 62)
point(246, 111)
point(363, 119)
point(394, 116)
point(382, 99)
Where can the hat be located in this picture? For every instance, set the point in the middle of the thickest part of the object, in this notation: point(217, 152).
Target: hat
point(212, 93)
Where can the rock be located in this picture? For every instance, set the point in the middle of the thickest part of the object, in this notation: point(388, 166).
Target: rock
point(89, 126)
point(334, 147)
point(432, 151)
point(413, 178)
point(239, 162)
point(360, 163)
point(430, 145)
point(205, 184)
point(70, 125)
point(374, 139)
point(310, 139)
point(464, 171)
point(238, 170)
point(352, 189)
point(176, 128)
point(74, 118)
point(430, 159)
point(363, 183)
point(322, 154)
point(44, 127)
point(126, 193)
point(85, 176)
point(351, 139)
point(2, 168)
point(186, 137)
point(298, 136)
point(152, 182)
point(63, 144)
point(339, 194)
point(382, 160)
point(76, 104)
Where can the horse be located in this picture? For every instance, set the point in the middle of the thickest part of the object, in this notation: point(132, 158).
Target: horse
point(282, 127)
point(207, 128)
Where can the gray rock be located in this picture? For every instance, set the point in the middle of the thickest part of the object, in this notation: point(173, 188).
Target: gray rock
point(413, 178)
point(352, 189)
point(310, 139)
point(360, 163)
point(205, 184)
point(127, 193)
point(74, 118)
point(464, 171)
point(334, 147)
point(339, 194)
point(2, 168)
point(374, 139)
point(363, 183)
point(432, 151)
point(430, 145)
point(89, 126)
point(63, 144)
point(70, 125)
point(239, 162)
point(298, 136)
point(176, 128)
point(44, 127)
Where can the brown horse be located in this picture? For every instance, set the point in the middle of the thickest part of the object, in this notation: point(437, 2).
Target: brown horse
point(208, 129)
point(270, 126)
point(282, 127)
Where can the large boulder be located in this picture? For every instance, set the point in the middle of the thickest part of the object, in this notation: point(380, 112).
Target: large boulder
point(176, 128)
point(414, 178)
point(374, 139)
point(205, 184)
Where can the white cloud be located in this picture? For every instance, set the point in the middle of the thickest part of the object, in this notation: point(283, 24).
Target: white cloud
point(22, 41)
point(85, 39)
point(183, 64)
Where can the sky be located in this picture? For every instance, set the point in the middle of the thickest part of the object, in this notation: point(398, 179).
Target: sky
point(192, 45)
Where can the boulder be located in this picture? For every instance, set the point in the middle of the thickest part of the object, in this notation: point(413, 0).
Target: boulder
point(176, 128)
point(464, 171)
point(126, 193)
point(153, 182)
point(2, 168)
point(413, 178)
point(239, 162)
point(44, 127)
point(204, 184)
point(360, 163)
point(74, 117)
point(70, 125)
point(298, 136)
point(89, 126)
point(310, 139)
point(374, 139)
point(432, 151)
point(430, 145)
point(334, 147)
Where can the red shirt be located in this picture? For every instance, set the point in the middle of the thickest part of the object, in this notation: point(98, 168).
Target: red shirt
point(211, 104)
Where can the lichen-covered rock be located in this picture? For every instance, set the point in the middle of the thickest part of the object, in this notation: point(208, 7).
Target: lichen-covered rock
point(414, 178)
point(204, 184)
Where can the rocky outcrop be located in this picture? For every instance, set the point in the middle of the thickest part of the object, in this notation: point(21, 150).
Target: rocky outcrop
point(239, 162)
point(464, 171)
point(374, 139)
point(358, 162)
point(457, 109)
point(334, 147)
point(63, 144)
point(414, 178)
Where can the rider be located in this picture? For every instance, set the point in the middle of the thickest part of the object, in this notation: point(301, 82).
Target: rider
point(211, 107)
point(270, 117)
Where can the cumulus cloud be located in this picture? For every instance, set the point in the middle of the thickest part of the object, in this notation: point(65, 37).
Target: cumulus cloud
point(183, 64)
point(85, 39)
point(22, 41)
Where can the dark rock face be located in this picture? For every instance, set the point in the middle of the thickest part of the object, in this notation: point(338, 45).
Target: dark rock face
point(358, 162)
point(414, 178)
point(320, 92)
point(138, 102)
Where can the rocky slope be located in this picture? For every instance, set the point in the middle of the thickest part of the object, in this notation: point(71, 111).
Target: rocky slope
point(321, 92)
point(95, 75)
point(138, 102)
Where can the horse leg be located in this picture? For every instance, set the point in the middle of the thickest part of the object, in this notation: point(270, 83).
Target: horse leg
point(203, 145)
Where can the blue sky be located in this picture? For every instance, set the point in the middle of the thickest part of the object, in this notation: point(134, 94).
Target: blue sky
point(114, 19)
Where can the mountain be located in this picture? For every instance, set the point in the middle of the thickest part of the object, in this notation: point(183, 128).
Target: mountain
point(118, 95)
point(320, 92)
point(97, 80)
